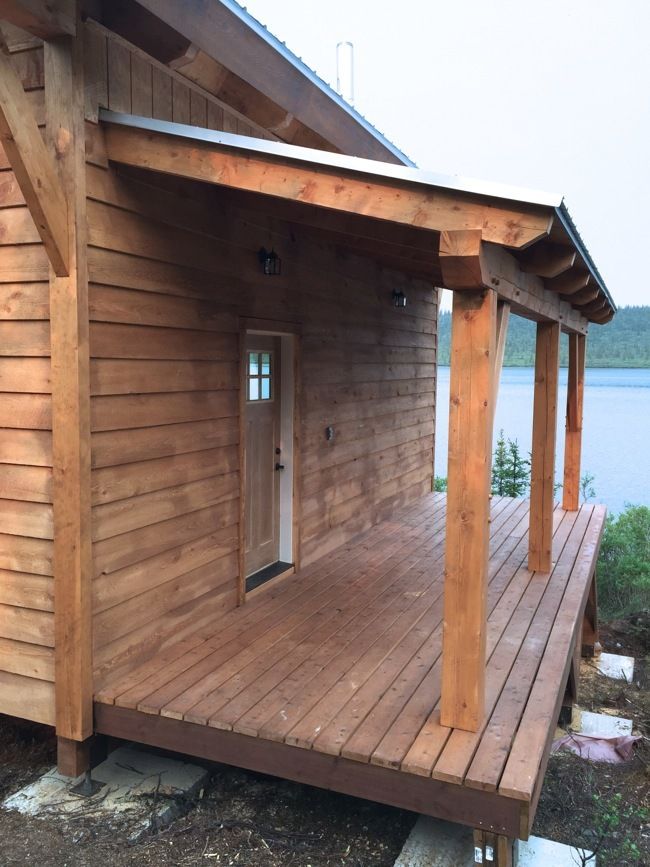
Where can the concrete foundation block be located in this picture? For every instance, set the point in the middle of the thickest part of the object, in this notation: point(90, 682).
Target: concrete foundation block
point(433, 843)
point(603, 725)
point(138, 787)
point(615, 666)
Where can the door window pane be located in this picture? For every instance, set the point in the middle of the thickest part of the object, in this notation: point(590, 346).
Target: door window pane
point(259, 376)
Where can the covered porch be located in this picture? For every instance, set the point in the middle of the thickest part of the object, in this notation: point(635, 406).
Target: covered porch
point(333, 676)
point(501, 251)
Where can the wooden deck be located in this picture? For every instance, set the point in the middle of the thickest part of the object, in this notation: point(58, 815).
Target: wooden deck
point(332, 676)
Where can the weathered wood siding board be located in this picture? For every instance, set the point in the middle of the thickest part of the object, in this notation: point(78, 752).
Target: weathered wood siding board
point(122, 78)
point(170, 278)
point(26, 584)
point(164, 401)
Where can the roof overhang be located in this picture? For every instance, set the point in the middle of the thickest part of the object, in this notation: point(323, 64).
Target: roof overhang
point(218, 45)
point(523, 244)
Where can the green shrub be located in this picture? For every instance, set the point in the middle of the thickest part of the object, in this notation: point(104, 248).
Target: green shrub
point(624, 563)
point(510, 471)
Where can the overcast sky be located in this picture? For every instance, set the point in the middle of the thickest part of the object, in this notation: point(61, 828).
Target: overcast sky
point(552, 96)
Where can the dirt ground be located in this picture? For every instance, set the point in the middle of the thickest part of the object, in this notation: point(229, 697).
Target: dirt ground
point(577, 794)
point(250, 820)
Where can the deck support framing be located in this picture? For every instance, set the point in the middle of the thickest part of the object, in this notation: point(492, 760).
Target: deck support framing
point(495, 849)
point(425, 795)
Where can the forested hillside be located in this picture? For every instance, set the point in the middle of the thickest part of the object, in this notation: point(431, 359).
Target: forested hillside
point(623, 342)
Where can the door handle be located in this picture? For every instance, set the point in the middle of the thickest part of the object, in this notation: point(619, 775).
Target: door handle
point(279, 466)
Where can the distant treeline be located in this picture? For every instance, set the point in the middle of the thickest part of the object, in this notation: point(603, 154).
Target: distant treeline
point(623, 342)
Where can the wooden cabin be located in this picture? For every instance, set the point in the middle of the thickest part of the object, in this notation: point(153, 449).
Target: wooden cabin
point(218, 303)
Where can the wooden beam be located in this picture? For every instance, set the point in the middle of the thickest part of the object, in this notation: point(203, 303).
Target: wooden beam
point(144, 29)
point(503, 316)
point(547, 361)
point(584, 296)
point(602, 317)
point(473, 336)
point(547, 260)
point(327, 187)
point(33, 166)
point(598, 305)
point(567, 284)
point(72, 757)
point(526, 292)
point(461, 260)
point(259, 77)
point(46, 19)
point(589, 637)
point(64, 100)
point(573, 435)
point(494, 849)
point(466, 262)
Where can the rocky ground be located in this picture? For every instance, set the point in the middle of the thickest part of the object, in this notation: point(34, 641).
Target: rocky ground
point(248, 819)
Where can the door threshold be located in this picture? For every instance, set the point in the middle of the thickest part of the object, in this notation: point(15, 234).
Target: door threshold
point(273, 570)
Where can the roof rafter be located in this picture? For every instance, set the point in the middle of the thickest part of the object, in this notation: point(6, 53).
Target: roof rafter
point(547, 260)
point(567, 284)
point(43, 18)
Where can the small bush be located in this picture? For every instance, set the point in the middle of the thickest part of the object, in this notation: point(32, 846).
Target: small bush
point(510, 471)
point(624, 563)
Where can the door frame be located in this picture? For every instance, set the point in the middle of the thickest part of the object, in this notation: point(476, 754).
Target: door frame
point(289, 334)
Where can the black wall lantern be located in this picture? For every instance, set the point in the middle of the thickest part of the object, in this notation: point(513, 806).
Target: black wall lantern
point(270, 262)
point(399, 298)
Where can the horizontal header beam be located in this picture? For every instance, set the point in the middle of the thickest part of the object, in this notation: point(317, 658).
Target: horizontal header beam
point(347, 191)
point(468, 263)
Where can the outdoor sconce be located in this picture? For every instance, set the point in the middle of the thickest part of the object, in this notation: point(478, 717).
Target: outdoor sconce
point(270, 262)
point(399, 298)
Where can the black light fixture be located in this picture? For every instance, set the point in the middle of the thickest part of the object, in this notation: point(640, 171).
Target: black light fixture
point(270, 262)
point(399, 298)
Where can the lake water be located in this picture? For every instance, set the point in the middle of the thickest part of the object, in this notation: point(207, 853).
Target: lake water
point(616, 428)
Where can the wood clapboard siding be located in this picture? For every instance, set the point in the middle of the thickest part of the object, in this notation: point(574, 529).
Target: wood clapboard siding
point(122, 78)
point(164, 403)
point(171, 273)
point(26, 583)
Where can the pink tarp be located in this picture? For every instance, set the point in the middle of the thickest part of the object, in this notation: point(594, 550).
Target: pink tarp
point(614, 750)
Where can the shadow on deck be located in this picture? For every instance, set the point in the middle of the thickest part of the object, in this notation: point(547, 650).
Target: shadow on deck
point(331, 677)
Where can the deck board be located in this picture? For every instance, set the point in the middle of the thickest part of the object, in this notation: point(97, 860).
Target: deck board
point(343, 659)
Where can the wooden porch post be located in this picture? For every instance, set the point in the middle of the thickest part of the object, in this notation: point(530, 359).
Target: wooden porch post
point(64, 103)
point(573, 439)
point(547, 361)
point(473, 336)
